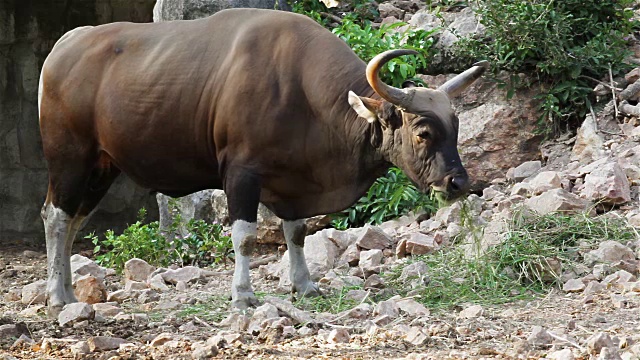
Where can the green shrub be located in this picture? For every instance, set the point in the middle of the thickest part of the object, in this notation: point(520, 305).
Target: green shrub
point(203, 244)
point(389, 197)
point(563, 42)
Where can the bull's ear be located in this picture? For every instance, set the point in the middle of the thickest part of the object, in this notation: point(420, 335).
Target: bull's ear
point(365, 107)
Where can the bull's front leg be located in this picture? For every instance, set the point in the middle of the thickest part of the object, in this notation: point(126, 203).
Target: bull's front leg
point(295, 233)
point(243, 235)
point(243, 196)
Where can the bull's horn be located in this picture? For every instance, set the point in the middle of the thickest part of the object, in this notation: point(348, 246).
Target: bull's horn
point(394, 95)
point(457, 85)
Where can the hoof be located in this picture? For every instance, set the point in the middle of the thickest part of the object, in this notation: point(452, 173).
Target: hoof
point(309, 289)
point(245, 301)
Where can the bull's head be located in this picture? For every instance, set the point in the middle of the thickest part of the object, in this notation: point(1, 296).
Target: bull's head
point(416, 128)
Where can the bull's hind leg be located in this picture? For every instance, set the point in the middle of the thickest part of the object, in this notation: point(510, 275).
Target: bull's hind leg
point(295, 233)
point(74, 192)
point(243, 195)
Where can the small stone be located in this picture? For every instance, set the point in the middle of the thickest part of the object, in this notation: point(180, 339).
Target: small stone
point(262, 313)
point(236, 322)
point(351, 255)
point(203, 351)
point(420, 244)
point(81, 265)
point(80, 348)
point(545, 181)
point(361, 311)
point(137, 270)
point(186, 274)
point(147, 296)
point(619, 301)
point(557, 200)
point(157, 283)
point(564, 354)
point(524, 170)
point(599, 341)
point(389, 308)
point(412, 307)
point(356, 295)
point(372, 237)
point(373, 282)
point(120, 296)
point(131, 285)
point(540, 337)
point(103, 343)
point(32, 311)
point(12, 295)
point(182, 286)
point(161, 339)
point(9, 330)
point(631, 286)
point(471, 312)
point(609, 354)
point(75, 312)
point(574, 285)
point(416, 336)
point(608, 252)
point(284, 306)
point(34, 293)
point(90, 289)
point(522, 189)
point(594, 287)
point(370, 261)
point(106, 310)
point(338, 336)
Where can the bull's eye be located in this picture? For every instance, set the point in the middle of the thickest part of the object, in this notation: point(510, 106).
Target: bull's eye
point(424, 136)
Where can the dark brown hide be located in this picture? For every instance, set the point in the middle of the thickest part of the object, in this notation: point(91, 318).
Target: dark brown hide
point(176, 105)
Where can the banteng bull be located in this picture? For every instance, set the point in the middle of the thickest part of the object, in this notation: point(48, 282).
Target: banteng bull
point(260, 103)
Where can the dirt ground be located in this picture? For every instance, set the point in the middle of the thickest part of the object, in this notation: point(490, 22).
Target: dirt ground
point(500, 333)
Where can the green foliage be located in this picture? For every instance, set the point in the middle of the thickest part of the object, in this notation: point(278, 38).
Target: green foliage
point(519, 267)
point(389, 197)
point(202, 244)
point(368, 42)
point(563, 42)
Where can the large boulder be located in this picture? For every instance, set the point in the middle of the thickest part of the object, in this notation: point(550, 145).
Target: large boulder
point(166, 10)
point(495, 133)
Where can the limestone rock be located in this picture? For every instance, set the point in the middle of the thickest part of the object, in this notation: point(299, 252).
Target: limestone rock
point(103, 343)
point(524, 170)
point(339, 335)
point(90, 289)
point(471, 312)
point(81, 265)
point(419, 244)
point(412, 307)
point(608, 252)
point(75, 312)
point(557, 200)
point(545, 181)
point(599, 341)
point(106, 310)
point(540, 337)
point(137, 270)
point(573, 285)
point(186, 274)
point(373, 238)
point(370, 261)
point(608, 184)
point(34, 293)
point(589, 145)
point(416, 336)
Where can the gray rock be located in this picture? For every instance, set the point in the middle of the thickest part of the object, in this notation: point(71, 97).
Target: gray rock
point(414, 270)
point(387, 9)
point(351, 255)
point(34, 293)
point(607, 184)
point(545, 181)
point(608, 252)
point(106, 310)
point(564, 354)
point(339, 335)
point(157, 283)
point(236, 322)
point(388, 308)
point(589, 145)
point(166, 10)
point(137, 270)
point(203, 351)
point(471, 312)
point(416, 336)
point(356, 295)
point(299, 316)
point(609, 354)
point(131, 285)
point(75, 312)
point(418, 244)
point(599, 341)
point(574, 285)
point(540, 337)
point(370, 261)
point(161, 339)
point(81, 265)
point(80, 349)
point(557, 200)
point(104, 343)
point(186, 274)
point(411, 307)
point(524, 170)
point(373, 282)
point(262, 313)
point(373, 238)
point(9, 331)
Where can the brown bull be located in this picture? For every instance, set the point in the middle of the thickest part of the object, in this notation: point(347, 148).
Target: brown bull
point(259, 103)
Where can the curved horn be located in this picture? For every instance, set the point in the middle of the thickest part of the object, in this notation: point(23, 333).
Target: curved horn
point(393, 95)
point(457, 85)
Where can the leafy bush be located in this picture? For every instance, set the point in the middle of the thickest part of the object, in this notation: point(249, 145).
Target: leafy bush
point(388, 198)
point(203, 244)
point(564, 42)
